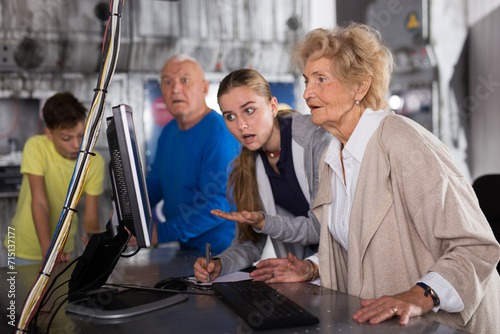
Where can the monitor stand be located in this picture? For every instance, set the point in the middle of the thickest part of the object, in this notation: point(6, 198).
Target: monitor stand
point(86, 296)
point(97, 261)
point(112, 304)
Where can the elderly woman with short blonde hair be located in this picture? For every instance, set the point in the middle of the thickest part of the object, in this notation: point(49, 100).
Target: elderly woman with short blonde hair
point(400, 225)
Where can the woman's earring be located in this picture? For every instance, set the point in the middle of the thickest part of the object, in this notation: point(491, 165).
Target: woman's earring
point(357, 102)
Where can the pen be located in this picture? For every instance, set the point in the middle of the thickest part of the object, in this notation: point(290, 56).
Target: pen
point(208, 257)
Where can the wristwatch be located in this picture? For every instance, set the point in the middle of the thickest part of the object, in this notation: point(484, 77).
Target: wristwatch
point(428, 291)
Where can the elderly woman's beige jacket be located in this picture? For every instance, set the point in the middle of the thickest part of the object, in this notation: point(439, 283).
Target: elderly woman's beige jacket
point(413, 212)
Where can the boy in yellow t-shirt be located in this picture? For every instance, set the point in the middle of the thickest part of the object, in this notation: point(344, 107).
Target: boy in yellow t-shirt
point(47, 166)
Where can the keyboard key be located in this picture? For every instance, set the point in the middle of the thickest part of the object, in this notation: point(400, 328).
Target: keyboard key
point(261, 306)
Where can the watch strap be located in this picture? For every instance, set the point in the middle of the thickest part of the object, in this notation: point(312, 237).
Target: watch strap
point(429, 291)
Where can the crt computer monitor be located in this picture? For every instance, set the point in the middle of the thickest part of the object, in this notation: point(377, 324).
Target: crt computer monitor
point(131, 209)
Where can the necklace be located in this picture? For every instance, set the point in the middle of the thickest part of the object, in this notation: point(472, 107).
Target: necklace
point(272, 155)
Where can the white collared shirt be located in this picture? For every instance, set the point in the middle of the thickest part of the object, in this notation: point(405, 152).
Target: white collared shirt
point(339, 211)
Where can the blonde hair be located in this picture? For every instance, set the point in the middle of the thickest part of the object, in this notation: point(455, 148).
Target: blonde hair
point(357, 51)
point(242, 187)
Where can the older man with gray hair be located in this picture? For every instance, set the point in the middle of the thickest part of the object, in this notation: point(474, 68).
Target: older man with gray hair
point(190, 169)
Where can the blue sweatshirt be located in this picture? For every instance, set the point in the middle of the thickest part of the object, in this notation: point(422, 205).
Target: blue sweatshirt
point(189, 173)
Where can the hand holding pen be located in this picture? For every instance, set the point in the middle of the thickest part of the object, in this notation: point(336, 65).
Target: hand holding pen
point(202, 265)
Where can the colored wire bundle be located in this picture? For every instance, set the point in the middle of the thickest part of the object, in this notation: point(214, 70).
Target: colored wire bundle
point(110, 49)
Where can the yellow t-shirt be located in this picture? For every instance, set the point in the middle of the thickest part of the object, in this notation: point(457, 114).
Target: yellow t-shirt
point(41, 158)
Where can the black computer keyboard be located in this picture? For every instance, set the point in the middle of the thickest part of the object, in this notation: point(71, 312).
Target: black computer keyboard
point(261, 306)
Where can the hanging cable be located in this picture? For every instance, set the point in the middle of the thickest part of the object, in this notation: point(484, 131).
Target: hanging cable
point(109, 56)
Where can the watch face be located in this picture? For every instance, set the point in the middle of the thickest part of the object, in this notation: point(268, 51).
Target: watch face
point(434, 296)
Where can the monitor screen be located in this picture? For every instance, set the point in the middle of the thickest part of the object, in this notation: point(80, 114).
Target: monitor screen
point(131, 210)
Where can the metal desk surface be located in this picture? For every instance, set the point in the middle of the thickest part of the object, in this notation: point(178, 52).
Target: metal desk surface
point(200, 313)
